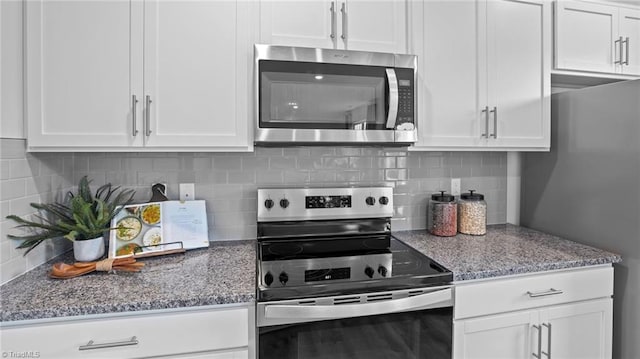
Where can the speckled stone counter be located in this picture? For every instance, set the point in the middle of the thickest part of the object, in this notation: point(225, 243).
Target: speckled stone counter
point(504, 250)
point(224, 273)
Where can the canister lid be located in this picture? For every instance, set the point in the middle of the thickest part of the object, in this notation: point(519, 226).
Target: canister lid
point(442, 197)
point(471, 196)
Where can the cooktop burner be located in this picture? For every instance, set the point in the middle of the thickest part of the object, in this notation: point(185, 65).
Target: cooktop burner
point(398, 267)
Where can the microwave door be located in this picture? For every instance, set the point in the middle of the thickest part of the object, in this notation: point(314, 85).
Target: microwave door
point(392, 116)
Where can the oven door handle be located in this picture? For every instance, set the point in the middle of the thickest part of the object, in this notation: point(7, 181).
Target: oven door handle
point(392, 117)
point(300, 313)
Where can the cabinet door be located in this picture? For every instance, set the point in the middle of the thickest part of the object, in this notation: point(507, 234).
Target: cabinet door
point(449, 89)
point(630, 32)
point(83, 65)
point(581, 330)
point(585, 36)
point(299, 23)
point(519, 73)
point(197, 60)
point(504, 336)
point(369, 25)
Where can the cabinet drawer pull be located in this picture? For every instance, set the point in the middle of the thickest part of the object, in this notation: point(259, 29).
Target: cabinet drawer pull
point(548, 353)
point(332, 9)
point(545, 293)
point(343, 10)
point(91, 345)
point(538, 355)
point(148, 117)
point(619, 43)
point(486, 121)
point(134, 101)
point(495, 122)
point(626, 52)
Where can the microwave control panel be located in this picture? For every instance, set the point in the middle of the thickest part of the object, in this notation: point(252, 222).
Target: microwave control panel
point(406, 99)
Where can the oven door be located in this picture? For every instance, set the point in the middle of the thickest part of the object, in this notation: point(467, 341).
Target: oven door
point(400, 324)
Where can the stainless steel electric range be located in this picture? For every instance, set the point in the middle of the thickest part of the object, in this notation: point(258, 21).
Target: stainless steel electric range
point(334, 283)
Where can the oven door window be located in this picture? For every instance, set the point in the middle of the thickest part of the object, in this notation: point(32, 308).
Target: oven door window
point(322, 96)
point(425, 334)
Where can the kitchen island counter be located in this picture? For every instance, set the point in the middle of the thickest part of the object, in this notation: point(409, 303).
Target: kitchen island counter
point(505, 250)
point(224, 273)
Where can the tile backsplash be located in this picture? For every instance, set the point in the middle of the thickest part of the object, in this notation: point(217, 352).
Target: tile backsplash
point(228, 181)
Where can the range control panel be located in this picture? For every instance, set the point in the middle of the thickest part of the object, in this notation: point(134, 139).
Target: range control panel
point(292, 204)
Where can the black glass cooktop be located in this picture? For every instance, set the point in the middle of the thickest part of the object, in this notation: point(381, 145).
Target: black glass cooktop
point(395, 267)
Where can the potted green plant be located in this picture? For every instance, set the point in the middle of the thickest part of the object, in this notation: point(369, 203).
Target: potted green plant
point(83, 218)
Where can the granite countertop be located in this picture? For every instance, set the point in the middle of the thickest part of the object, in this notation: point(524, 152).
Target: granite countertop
point(224, 273)
point(505, 250)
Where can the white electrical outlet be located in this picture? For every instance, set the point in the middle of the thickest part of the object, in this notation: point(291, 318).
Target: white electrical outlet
point(455, 186)
point(187, 191)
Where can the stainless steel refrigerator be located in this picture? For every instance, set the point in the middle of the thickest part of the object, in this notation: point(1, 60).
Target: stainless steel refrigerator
point(587, 189)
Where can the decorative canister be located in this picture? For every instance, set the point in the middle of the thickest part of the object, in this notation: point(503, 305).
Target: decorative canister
point(442, 215)
point(472, 214)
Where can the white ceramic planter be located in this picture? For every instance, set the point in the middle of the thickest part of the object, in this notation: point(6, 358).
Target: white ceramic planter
point(88, 250)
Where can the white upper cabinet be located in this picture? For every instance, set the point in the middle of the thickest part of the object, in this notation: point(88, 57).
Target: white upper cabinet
point(138, 76)
point(595, 37)
point(475, 89)
point(196, 74)
point(364, 25)
point(81, 73)
point(630, 32)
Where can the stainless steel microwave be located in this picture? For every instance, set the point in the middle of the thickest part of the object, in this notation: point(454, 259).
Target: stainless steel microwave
point(323, 96)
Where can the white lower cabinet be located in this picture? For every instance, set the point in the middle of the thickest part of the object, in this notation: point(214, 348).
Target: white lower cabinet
point(211, 332)
point(566, 314)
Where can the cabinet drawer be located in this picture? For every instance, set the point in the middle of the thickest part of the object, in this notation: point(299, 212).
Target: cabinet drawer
point(156, 334)
point(531, 291)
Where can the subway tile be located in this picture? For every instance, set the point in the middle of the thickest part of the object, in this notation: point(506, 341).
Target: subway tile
point(402, 162)
point(348, 151)
point(490, 159)
point(282, 163)
point(460, 172)
point(361, 162)
point(372, 151)
point(452, 160)
point(217, 177)
point(227, 163)
point(122, 178)
point(5, 210)
point(242, 177)
point(4, 169)
point(310, 163)
point(165, 164)
point(430, 162)
point(439, 172)
point(13, 268)
point(395, 174)
point(296, 177)
point(372, 175)
point(322, 176)
point(21, 206)
point(348, 176)
point(134, 164)
point(268, 151)
point(266, 177)
point(203, 163)
point(12, 189)
point(254, 163)
point(335, 162)
point(323, 151)
point(186, 177)
point(416, 173)
point(51, 165)
point(22, 168)
point(12, 148)
point(297, 152)
point(413, 160)
point(149, 178)
point(385, 162)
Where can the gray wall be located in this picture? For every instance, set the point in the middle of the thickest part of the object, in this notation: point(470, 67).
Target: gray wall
point(228, 181)
point(587, 188)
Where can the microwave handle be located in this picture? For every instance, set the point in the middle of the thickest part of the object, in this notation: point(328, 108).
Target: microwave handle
point(392, 117)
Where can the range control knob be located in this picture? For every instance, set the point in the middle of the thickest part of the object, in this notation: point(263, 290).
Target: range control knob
point(370, 201)
point(284, 203)
point(369, 272)
point(383, 200)
point(268, 278)
point(284, 278)
point(382, 270)
point(268, 203)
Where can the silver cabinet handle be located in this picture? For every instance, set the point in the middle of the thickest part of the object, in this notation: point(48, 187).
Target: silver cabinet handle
point(495, 123)
point(147, 121)
point(486, 121)
point(92, 345)
point(332, 9)
point(551, 291)
point(619, 43)
point(548, 353)
point(626, 52)
point(134, 105)
point(343, 10)
point(392, 117)
point(538, 355)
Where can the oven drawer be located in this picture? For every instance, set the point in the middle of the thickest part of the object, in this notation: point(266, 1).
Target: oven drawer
point(523, 292)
